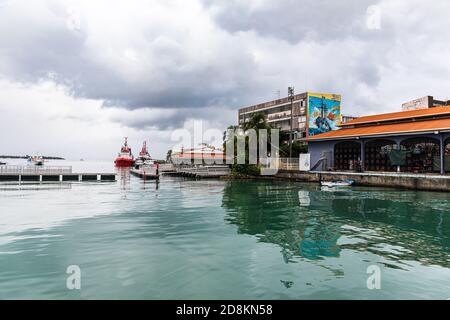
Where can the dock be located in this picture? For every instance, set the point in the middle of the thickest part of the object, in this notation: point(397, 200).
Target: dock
point(426, 182)
point(142, 173)
point(200, 171)
point(50, 174)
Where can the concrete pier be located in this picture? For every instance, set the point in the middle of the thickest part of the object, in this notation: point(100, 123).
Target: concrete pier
point(144, 174)
point(201, 172)
point(427, 182)
point(22, 174)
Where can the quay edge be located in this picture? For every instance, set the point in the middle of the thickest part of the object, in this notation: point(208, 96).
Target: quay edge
point(67, 177)
point(392, 180)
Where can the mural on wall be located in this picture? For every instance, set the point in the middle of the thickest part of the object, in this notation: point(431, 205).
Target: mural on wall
point(324, 113)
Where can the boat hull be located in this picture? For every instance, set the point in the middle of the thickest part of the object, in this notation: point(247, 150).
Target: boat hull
point(123, 162)
point(344, 183)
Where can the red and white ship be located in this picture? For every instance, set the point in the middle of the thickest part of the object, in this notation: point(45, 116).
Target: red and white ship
point(125, 157)
point(144, 166)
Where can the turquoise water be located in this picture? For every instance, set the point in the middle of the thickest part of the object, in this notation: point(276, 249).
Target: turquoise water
point(185, 239)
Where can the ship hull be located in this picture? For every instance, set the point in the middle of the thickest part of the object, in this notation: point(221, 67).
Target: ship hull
point(123, 162)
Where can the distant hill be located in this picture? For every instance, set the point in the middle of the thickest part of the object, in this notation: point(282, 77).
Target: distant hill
point(26, 157)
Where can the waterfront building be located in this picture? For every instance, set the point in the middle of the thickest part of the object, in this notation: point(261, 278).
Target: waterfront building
point(424, 103)
point(312, 113)
point(204, 155)
point(415, 141)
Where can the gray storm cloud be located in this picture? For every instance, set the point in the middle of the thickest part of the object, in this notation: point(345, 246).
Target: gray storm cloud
point(196, 58)
point(293, 20)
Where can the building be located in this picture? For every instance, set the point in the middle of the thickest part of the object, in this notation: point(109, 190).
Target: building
point(424, 103)
point(204, 154)
point(312, 113)
point(416, 141)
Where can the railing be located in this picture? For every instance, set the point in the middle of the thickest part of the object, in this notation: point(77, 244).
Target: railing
point(166, 167)
point(289, 164)
point(35, 169)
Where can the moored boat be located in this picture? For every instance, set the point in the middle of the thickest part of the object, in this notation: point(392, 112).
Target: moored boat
point(125, 157)
point(144, 157)
point(340, 183)
point(145, 167)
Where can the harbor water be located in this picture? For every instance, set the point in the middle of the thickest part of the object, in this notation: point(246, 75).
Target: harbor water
point(213, 239)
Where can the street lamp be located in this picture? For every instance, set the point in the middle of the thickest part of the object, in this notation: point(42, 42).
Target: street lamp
point(291, 97)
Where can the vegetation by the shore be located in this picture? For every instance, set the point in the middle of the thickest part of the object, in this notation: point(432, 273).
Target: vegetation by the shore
point(258, 121)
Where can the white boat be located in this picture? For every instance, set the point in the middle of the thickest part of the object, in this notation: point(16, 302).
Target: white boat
point(341, 183)
point(144, 166)
point(144, 158)
point(205, 154)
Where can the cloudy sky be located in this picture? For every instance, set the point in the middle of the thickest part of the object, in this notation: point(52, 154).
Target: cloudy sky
point(77, 76)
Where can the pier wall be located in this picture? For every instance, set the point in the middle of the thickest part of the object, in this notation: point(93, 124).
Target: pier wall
point(393, 180)
point(108, 177)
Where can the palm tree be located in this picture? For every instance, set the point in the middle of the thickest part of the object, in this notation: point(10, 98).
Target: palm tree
point(169, 156)
point(256, 122)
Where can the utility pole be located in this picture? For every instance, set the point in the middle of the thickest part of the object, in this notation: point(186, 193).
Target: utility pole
point(291, 97)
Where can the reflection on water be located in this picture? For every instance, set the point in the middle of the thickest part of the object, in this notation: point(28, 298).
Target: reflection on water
point(187, 239)
point(311, 223)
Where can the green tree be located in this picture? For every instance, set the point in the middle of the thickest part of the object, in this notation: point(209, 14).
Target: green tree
point(297, 148)
point(257, 121)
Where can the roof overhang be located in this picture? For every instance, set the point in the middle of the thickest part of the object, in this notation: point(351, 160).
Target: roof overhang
point(379, 135)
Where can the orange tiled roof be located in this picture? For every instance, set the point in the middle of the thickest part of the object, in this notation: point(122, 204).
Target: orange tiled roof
point(399, 115)
point(386, 129)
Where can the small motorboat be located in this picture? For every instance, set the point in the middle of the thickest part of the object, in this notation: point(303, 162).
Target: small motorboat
point(340, 183)
point(2, 163)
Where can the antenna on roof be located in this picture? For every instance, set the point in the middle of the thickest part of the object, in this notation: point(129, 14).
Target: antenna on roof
point(306, 82)
point(278, 92)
